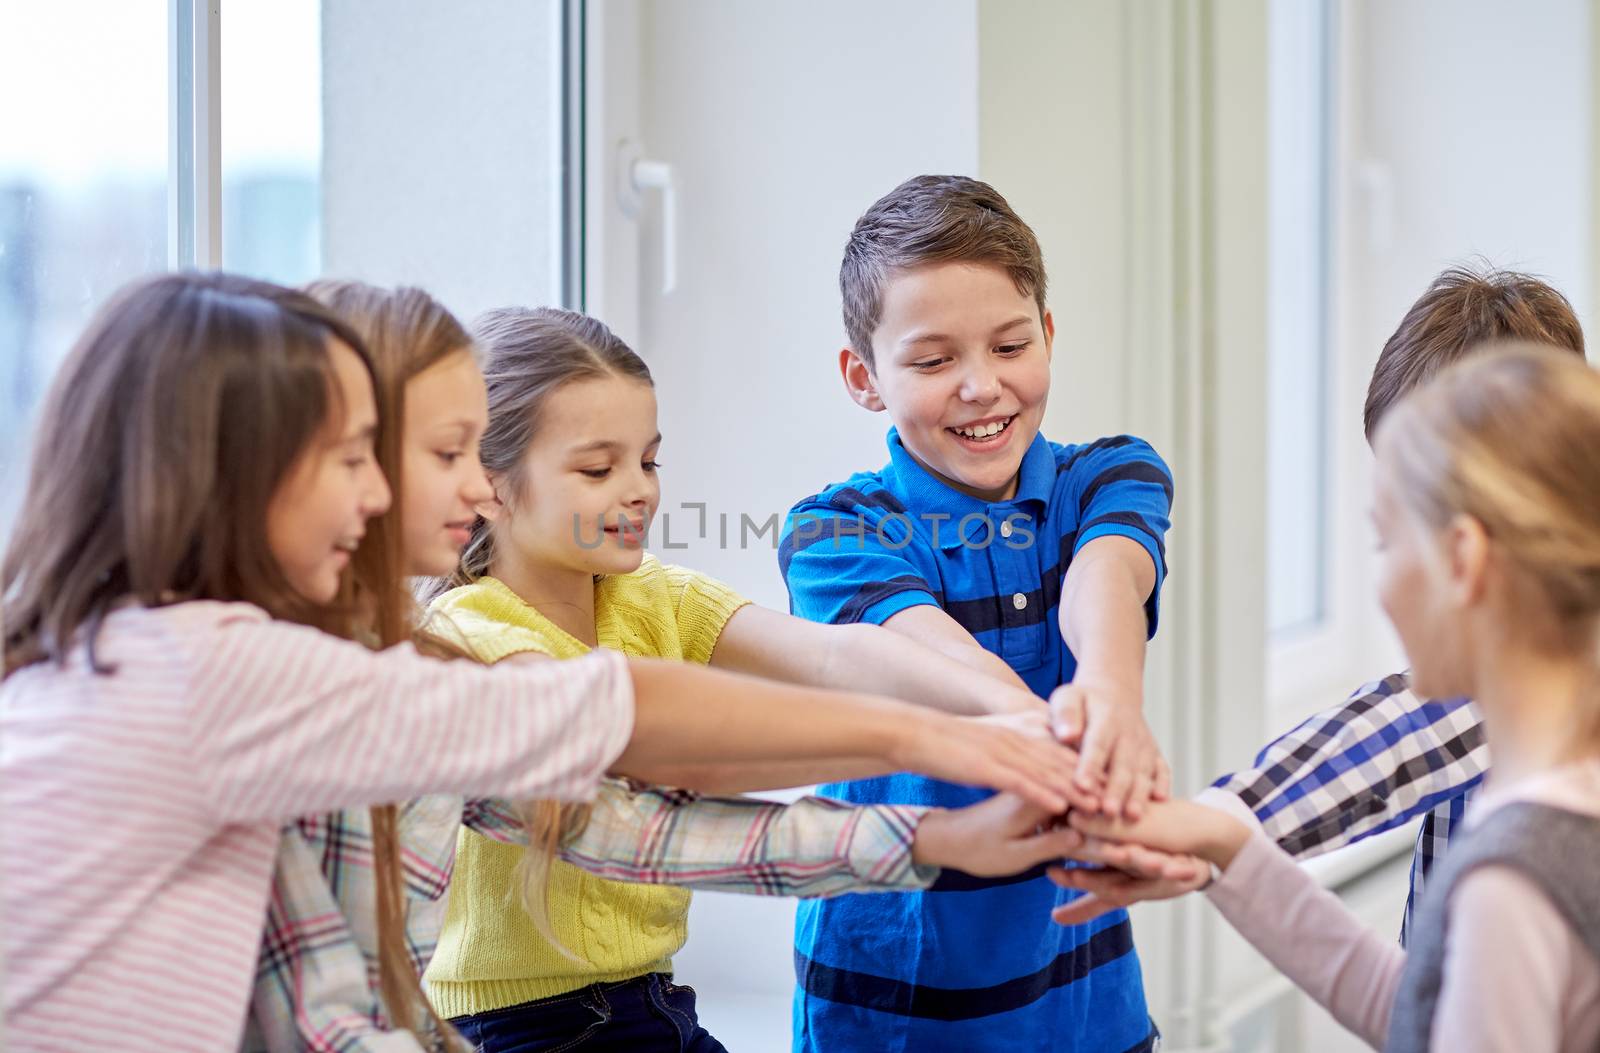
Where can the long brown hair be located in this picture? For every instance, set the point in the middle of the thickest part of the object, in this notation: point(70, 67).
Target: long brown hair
point(406, 331)
point(164, 436)
point(527, 355)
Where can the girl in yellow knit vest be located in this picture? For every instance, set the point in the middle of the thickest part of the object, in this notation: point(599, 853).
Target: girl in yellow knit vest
point(536, 954)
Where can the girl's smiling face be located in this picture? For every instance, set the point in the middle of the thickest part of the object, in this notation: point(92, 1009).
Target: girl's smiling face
point(319, 514)
point(442, 481)
point(586, 490)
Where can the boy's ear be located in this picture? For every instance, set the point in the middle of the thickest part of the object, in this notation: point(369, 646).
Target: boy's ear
point(859, 381)
point(1049, 334)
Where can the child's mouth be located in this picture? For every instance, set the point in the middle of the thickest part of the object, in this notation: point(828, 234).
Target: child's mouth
point(983, 434)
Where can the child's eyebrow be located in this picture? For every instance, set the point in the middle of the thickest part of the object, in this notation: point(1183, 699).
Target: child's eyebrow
point(925, 338)
point(597, 446)
point(1021, 319)
point(365, 434)
point(609, 445)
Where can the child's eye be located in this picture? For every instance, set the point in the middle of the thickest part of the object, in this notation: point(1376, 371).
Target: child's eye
point(595, 473)
point(449, 457)
point(652, 466)
point(928, 364)
point(356, 462)
point(1010, 349)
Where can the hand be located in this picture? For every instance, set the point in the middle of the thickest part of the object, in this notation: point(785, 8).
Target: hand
point(994, 838)
point(1035, 723)
point(1173, 828)
point(1119, 761)
point(977, 753)
point(1132, 874)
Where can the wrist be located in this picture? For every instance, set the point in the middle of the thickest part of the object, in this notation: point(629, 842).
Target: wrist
point(1122, 687)
point(905, 736)
point(928, 844)
point(1224, 840)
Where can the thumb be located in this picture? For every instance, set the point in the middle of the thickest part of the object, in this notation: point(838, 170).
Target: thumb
point(1067, 714)
point(1048, 846)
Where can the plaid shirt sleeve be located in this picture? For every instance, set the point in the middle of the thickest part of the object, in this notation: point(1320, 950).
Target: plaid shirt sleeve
point(316, 986)
point(1375, 763)
point(316, 983)
point(813, 847)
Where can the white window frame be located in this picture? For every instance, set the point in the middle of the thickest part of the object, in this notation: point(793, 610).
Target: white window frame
point(1314, 667)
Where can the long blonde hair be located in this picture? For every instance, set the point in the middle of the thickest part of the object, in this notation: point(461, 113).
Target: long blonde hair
point(1512, 439)
point(405, 331)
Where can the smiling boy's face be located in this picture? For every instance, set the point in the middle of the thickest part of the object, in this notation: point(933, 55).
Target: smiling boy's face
point(961, 363)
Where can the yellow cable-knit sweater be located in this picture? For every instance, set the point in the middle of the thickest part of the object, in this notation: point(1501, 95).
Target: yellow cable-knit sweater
point(490, 956)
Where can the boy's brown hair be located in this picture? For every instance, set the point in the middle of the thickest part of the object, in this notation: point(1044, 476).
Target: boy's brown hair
point(932, 219)
point(1462, 310)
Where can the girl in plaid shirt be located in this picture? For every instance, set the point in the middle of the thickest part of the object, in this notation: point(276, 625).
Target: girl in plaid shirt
point(318, 985)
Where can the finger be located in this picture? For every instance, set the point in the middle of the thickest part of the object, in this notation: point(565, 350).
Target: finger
point(1032, 780)
point(1109, 827)
point(1164, 866)
point(1161, 787)
point(1093, 756)
point(1081, 911)
point(1055, 763)
point(1139, 794)
point(1110, 886)
point(1066, 711)
point(1119, 785)
point(1080, 800)
point(1054, 844)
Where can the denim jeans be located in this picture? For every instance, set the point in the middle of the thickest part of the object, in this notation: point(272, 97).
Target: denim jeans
point(646, 1015)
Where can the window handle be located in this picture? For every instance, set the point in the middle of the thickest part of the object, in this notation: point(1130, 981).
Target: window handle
point(637, 174)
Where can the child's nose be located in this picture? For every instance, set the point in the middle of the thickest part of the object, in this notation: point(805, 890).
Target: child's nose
point(478, 488)
point(980, 385)
point(376, 495)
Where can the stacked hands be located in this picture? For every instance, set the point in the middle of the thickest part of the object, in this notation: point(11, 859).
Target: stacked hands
point(1086, 783)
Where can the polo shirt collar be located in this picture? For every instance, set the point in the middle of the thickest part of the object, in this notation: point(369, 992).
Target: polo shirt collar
point(919, 489)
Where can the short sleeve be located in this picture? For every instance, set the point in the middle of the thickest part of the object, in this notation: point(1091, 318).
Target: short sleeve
point(843, 567)
point(1122, 488)
point(702, 606)
point(482, 636)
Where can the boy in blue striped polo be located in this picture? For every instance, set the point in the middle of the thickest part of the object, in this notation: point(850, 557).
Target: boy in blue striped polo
point(1039, 562)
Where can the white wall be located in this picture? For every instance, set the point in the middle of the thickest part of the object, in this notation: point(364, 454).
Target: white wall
point(784, 122)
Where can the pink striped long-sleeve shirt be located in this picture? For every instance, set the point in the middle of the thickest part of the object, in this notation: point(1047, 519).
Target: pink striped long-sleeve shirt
point(141, 809)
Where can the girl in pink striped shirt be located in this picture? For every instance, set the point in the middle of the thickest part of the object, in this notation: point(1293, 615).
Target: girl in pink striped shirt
point(176, 685)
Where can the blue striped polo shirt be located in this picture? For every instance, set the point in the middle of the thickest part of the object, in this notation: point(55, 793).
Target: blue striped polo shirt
point(972, 964)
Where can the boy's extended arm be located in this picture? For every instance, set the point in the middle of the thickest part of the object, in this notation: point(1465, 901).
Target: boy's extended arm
point(1374, 763)
point(1105, 625)
point(931, 627)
